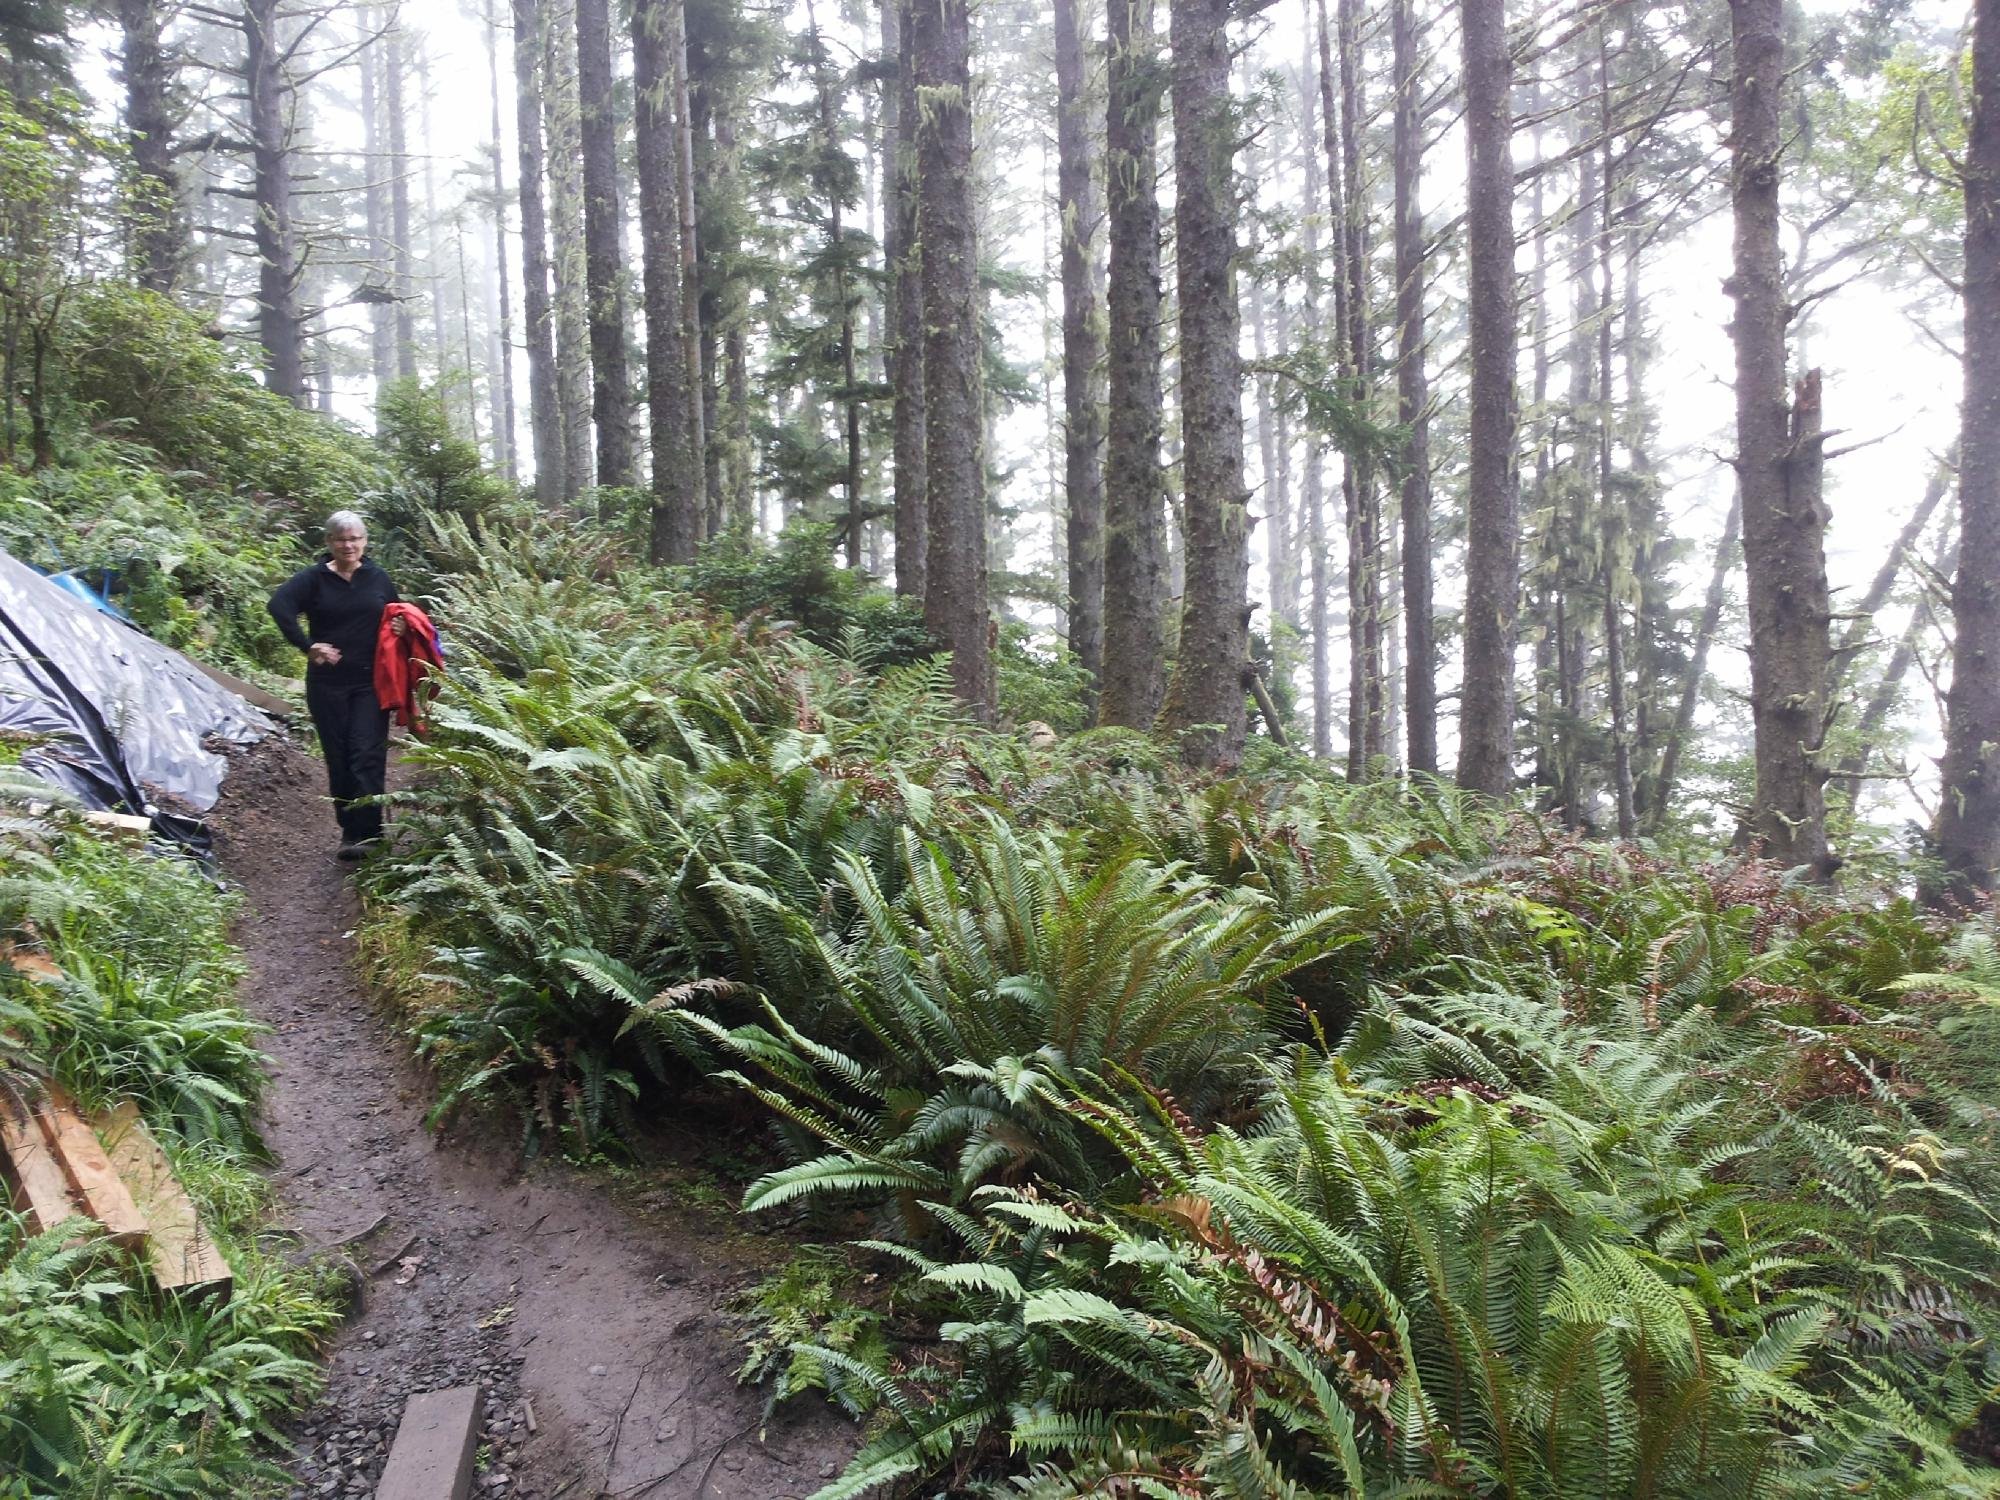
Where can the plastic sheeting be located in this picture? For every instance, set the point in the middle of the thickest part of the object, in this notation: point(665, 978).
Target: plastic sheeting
point(121, 718)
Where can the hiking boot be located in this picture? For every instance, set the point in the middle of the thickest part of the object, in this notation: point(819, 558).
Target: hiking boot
point(353, 849)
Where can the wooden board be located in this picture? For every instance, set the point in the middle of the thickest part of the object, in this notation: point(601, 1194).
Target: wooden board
point(183, 1256)
point(121, 825)
point(88, 1171)
point(431, 1458)
point(249, 692)
point(39, 1188)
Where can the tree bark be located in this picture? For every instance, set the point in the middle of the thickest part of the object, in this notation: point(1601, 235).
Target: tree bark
point(380, 167)
point(1083, 423)
point(280, 327)
point(402, 279)
point(503, 335)
point(1968, 831)
point(1135, 544)
point(1206, 704)
point(565, 206)
point(604, 256)
point(1413, 399)
point(955, 603)
point(1854, 765)
point(676, 478)
point(157, 224)
point(544, 398)
point(1777, 464)
point(901, 253)
point(1492, 565)
point(693, 329)
point(1854, 639)
point(1610, 506)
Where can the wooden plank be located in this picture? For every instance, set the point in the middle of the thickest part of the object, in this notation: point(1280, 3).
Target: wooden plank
point(38, 1186)
point(88, 1170)
point(431, 1458)
point(249, 692)
point(121, 825)
point(183, 1255)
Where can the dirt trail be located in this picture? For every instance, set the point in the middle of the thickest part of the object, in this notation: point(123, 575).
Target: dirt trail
point(609, 1329)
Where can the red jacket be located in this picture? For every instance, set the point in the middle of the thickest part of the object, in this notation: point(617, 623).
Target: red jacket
point(403, 663)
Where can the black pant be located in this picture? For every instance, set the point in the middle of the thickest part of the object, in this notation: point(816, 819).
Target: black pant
point(354, 734)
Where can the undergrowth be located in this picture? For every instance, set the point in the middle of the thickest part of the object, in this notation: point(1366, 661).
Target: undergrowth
point(109, 1387)
point(1260, 1136)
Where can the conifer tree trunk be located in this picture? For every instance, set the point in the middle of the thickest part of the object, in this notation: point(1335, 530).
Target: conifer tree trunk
point(1777, 464)
point(280, 330)
point(1968, 831)
point(1492, 565)
point(380, 168)
point(1413, 399)
point(1083, 424)
point(906, 307)
point(1284, 530)
point(565, 208)
point(1854, 765)
point(1661, 790)
point(1206, 704)
point(676, 481)
point(501, 356)
point(1611, 507)
point(158, 225)
point(955, 604)
point(402, 280)
point(604, 256)
point(1364, 505)
point(544, 399)
point(693, 327)
point(1312, 500)
point(1134, 677)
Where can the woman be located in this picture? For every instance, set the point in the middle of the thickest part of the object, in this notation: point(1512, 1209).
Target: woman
point(342, 597)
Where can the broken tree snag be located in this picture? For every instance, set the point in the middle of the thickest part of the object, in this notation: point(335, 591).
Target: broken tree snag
point(88, 1171)
point(36, 1181)
point(431, 1458)
point(183, 1256)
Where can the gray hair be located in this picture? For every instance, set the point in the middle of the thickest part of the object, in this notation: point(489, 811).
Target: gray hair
point(345, 520)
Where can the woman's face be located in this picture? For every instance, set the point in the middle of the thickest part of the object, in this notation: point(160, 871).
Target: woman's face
point(347, 547)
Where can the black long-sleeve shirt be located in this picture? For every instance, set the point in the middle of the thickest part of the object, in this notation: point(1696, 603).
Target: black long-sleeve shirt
point(342, 612)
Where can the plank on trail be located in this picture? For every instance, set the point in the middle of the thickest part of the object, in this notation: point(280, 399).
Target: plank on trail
point(39, 1188)
point(431, 1458)
point(88, 1170)
point(183, 1256)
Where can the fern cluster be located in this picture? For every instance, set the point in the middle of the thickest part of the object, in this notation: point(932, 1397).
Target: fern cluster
point(1250, 1137)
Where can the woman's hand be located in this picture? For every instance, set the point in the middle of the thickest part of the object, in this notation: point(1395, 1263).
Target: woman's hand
point(320, 654)
point(399, 627)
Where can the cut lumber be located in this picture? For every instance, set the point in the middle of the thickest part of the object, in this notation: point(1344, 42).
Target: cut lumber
point(180, 1250)
point(88, 1170)
point(249, 692)
point(36, 1180)
point(121, 825)
point(431, 1458)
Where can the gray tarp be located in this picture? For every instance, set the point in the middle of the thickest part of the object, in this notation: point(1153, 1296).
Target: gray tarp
point(122, 718)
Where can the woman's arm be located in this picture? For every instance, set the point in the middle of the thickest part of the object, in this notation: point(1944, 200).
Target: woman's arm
point(288, 602)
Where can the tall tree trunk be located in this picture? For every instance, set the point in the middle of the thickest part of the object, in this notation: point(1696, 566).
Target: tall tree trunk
point(433, 245)
point(603, 254)
point(1133, 681)
point(280, 328)
point(565, 206)
point(544, 397)
point(1083, 423)
point(832, 148)
point(1611, 507)
point(1370, 744)
point(901, 253)
point(1206, 705)
point(1778, 459)
point(955, 604)
point(402, 280)
point(1284, 530)
point(1493, 542)
point(1312, 499)
point(1413, 399)
point(677, 498)
point(1660, 794)
point(380, 167)
point(692, 327)
point(1968, 831)
point(157, 224)
point(503, 335)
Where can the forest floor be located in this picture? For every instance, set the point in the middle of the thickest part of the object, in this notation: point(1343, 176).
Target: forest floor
point(604, 1319)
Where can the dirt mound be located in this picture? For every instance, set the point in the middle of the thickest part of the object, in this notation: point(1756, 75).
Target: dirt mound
point(608, 1367)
